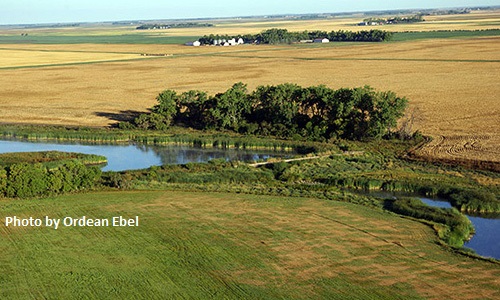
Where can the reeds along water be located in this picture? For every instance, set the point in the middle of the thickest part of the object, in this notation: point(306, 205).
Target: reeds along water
point(208, 141)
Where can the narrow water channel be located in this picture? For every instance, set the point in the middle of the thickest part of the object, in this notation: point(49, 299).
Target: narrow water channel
point(486, 240)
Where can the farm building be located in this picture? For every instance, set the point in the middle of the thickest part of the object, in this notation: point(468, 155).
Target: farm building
point(231, 42)
point(325, 40)
point(195, 43)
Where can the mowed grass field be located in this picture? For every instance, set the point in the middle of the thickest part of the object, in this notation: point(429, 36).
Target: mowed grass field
point(452, 83)
point(223, 246)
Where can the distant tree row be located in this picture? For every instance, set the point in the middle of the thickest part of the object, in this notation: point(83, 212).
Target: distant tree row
point(396, 20)
point(286, 111)
point(173, 25)
point(24, 180)
point(283, 36)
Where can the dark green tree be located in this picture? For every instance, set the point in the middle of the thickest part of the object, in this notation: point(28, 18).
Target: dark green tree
point(194, 109)
point(167, 104)
point(279, 106)
point(231, 107)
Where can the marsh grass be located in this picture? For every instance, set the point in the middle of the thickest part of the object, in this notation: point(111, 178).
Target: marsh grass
point(51, 159)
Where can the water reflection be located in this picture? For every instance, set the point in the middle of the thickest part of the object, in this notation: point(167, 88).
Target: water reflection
point(130, 157)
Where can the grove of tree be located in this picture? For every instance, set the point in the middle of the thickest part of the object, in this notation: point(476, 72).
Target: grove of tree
point(286, 111)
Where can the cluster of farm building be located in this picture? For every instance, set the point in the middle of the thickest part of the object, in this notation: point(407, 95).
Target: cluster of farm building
point(220, 42)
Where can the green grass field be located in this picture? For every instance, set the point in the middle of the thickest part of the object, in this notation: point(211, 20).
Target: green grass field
point(423, 35)
point(229, 246)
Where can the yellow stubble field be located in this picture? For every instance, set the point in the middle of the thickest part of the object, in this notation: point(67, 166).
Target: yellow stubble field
point(15, 58)
point(453, 83)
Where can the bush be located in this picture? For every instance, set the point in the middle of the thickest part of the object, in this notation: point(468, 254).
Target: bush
point(33, 180)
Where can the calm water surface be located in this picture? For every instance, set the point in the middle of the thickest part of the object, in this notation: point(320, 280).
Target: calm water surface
point(131, 157)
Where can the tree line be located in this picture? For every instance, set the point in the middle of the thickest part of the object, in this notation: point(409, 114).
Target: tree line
point(283, 36)
point(396, 20)
point(173, 25)
point(286, 111)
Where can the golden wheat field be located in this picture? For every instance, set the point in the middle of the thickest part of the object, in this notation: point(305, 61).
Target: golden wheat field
point(452, 84)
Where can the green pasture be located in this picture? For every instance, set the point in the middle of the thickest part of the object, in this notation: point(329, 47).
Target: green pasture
point(423, 35)
point(226, 246)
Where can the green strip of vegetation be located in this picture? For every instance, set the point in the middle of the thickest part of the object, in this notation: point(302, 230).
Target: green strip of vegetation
point(51, 159)
point(442, 34)
point(458, 227)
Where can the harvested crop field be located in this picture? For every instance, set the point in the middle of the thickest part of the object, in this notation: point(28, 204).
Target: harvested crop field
point(37, 58)
point(233, 246)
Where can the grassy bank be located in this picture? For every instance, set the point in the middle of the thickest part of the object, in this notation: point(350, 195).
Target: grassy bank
point(199, 245)
point(457, 229)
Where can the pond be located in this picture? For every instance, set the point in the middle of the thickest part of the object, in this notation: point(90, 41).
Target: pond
point(132, 156)
point(486, 240)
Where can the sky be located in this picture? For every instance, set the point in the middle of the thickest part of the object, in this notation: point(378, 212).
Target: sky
point(63, 11)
